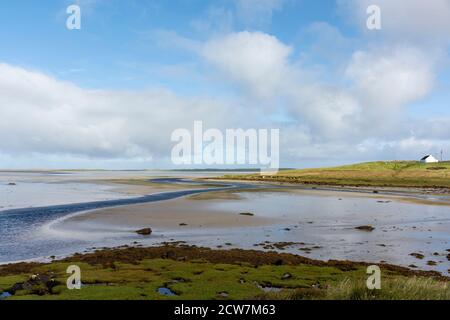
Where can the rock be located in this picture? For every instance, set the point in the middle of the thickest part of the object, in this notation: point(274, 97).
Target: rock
point(286, 276)
point(279, 262)
point(169, 255)
point(183, 224)
point(365, 228)
point(144, 232)
point(431, 263)
point(417, 255)
point(11, 184)
point(37, 284)
point(223, 294)
point(247, 214)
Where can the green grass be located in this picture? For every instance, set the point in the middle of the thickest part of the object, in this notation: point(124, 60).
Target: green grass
point(381, 174)
point(200, 279)
point(391, 289)
point(189, 280)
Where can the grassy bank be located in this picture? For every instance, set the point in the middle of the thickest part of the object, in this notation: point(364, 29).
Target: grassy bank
point(372, 174)
point(199, 273)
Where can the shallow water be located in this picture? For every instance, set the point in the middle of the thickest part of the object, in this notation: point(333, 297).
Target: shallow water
point(329, 221)
point(166, 291)
point(23, 232)
point(5, 295)
point(47, 188)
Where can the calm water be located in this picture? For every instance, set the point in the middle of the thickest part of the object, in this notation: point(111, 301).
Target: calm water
point(31, 201)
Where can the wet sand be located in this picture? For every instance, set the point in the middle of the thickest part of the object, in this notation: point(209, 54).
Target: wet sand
point(179, 214)
point(200, 211)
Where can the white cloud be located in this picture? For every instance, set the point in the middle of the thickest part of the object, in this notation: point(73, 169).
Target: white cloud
point(386, 81)
point(330, 113)
point(42, 115)
point(368, 105)
point(255, 60)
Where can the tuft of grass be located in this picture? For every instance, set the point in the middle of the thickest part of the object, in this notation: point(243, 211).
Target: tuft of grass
point(414, 288)
point(392, 289)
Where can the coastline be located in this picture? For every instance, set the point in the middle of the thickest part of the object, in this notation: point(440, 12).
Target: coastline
point(230, 241)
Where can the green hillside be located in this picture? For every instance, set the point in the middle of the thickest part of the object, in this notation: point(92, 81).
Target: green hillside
point(389, 174)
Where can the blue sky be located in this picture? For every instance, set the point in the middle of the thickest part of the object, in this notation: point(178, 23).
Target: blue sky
point(327, 82)
point(117, 40)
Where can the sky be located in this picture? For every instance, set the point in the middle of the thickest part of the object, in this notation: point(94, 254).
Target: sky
point(110, 94)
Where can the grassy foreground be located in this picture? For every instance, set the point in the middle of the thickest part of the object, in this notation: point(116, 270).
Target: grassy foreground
point(200, 273)
point(380, 174)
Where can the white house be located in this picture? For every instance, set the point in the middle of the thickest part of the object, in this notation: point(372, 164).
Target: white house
point(429, 159)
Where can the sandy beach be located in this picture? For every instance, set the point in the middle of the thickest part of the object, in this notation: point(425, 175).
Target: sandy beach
point(175, 214)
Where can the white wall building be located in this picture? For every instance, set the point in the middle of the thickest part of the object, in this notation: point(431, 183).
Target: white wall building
point(429, 159)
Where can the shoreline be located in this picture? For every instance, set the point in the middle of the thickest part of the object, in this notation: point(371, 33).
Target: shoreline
point(176, 249)
point(164, 216)
point(375, 189)
point(194, 212)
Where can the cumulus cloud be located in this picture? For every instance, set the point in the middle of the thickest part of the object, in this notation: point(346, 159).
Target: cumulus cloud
point(42, 115)
point(255, 60)
point(386, 81)
point(369, 104)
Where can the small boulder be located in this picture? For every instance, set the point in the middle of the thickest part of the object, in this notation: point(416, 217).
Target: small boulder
point(417, 255)
point(144, 232)
point(365, 228)
point(286, 276)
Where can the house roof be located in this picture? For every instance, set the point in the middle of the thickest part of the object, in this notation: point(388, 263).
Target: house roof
point(426, 157)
